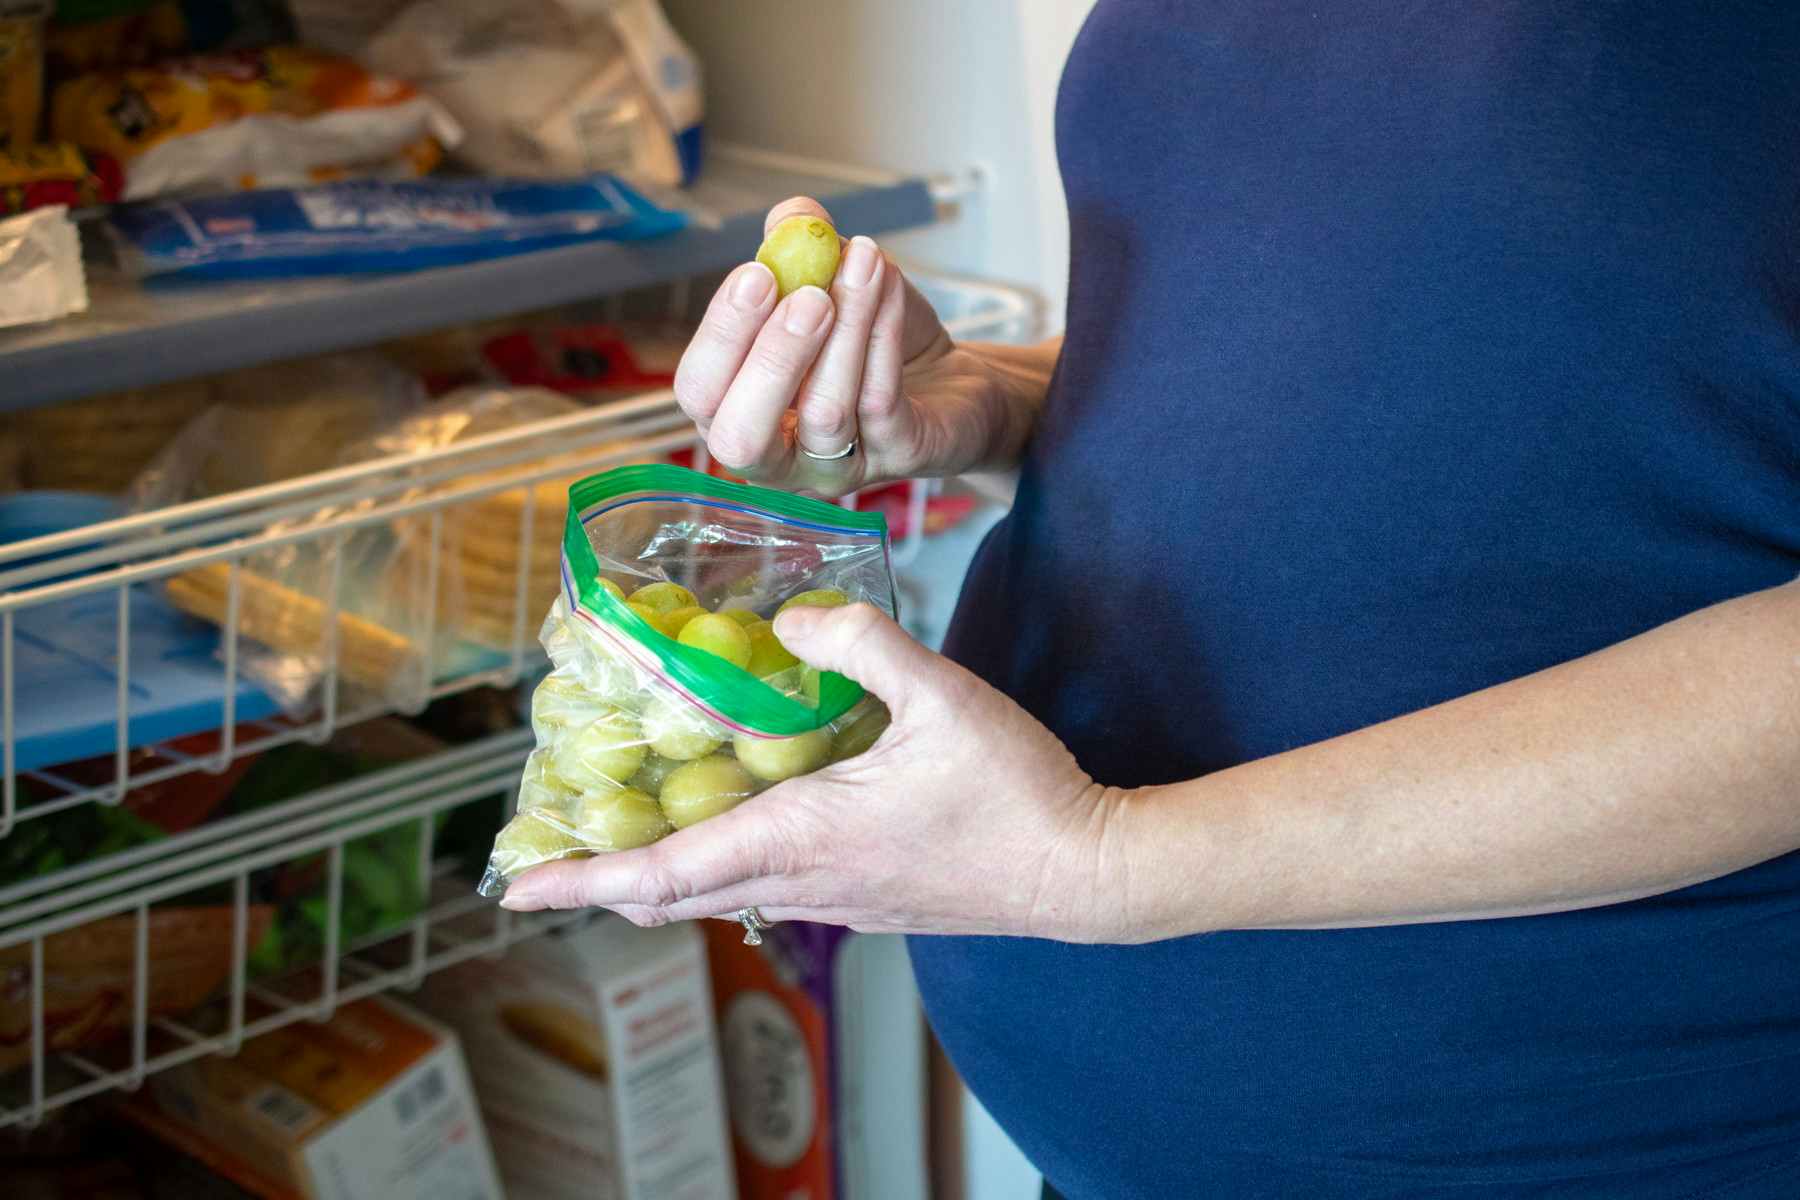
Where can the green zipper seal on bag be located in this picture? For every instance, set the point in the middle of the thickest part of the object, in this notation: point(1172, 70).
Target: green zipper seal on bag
point(731, 692)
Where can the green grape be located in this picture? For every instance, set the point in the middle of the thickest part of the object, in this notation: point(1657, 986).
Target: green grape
point(743, 616)
point(704, 788)
point(817, 598)
point(800, 252)
point(561, 702)
point(676, 731)
point(530, 839)
point(775, 759)
point(676, 620)
point(652, 618)
point(663, 597)
point(650, 776)
point(809, 685)
point(621, 820)
point(599, 755)
point(767, 654)
point(539, 789)
point(618, 593)
point(862, 726)
point(720, 636)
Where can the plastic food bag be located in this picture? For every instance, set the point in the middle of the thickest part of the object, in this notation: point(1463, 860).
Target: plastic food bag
point(41, 276)
point(368, 225)
point(275, 423)
point(639, 732)
point(284, 115)
point(555, 87)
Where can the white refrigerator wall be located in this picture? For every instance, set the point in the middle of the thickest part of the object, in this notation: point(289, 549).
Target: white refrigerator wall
point(919, 86)
point(913, 85)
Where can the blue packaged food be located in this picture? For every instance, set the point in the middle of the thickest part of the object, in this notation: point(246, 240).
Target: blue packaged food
point(371, 225)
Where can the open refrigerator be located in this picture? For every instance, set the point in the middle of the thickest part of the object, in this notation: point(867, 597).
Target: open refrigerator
point(118, 966)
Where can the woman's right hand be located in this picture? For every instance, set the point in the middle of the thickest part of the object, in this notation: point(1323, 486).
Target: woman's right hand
point(868, 365)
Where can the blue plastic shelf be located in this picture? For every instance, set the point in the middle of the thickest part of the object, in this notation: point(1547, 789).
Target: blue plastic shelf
point(131, 337)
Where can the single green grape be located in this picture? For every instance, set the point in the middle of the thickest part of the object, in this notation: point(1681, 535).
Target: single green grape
point(775, 759)
point(809, 685)
point(650, 776)
point(800, 252)
point(539, 789)
point(529, 839)
point(599, 755)
point(861, 728)
point(619, 820)
point(663, 597)
point(561, 702)
point(743, 616)
point(651, 616)
point(816, 598)
point(767, 654)
point(676, 619)
point(618, 593)
point(704, 788)
point(719, 636)
point(676, 731)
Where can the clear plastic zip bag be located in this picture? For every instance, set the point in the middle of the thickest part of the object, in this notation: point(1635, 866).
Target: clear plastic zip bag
point(670, 699)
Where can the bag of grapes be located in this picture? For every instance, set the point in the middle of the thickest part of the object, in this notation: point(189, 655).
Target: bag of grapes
point(670, 699)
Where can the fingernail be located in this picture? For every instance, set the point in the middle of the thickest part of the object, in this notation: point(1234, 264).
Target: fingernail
point(806, 310)
point(859, 262)
point(795, 622)
point(521, 902)
point(751, 288)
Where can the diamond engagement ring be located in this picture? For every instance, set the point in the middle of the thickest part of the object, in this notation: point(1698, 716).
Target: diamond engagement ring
point(753, 925)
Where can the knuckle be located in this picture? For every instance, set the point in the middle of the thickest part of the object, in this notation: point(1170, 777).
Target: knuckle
point(861, 622)
point(731, 447)
point(825, 411)
point(776, 355)
point(647, 918)
point(660, 886)
point(691, 396)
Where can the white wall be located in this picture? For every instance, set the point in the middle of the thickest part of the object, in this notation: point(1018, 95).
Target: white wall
point(916, 85)
point(923, 86)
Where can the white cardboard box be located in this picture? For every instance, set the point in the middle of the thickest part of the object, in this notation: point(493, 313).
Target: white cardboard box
point(373, 1102)
point(596, 1063)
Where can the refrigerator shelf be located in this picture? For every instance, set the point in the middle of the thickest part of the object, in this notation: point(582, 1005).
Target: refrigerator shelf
point(134, 336)
point(43, 972)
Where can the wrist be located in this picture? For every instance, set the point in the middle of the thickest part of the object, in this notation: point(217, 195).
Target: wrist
point(1146, 868)
point(1087, 896)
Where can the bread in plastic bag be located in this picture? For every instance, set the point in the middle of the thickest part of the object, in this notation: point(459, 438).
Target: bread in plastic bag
point(278, 422)
point(670, 700)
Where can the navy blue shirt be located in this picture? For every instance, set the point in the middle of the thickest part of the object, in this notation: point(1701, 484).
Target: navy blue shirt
point(1411, 348)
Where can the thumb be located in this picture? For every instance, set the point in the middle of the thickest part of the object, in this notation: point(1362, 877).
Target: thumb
point(862, 642)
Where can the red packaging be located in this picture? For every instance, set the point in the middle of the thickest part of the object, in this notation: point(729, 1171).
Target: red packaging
point(773, 1005)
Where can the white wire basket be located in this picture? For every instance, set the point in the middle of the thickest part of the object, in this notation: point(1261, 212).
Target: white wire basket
point(108, 565)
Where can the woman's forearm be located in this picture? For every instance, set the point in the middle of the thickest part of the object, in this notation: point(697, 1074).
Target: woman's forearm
point(1657, 763)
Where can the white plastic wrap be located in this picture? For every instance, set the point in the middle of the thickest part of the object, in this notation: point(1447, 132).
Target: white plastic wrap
point(40, 267)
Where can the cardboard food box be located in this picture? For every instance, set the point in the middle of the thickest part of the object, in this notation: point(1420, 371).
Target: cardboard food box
point(822, 1039)
point(374, 1102)
point(596, 1063)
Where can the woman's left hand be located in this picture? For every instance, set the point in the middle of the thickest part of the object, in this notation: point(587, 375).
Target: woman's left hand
point(967, 816)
